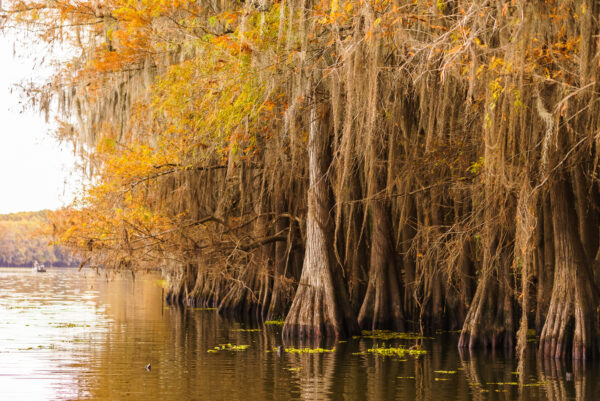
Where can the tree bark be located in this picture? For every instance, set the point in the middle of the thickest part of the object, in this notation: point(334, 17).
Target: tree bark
point(382, 307)
point(320, 306)
point(573, 293)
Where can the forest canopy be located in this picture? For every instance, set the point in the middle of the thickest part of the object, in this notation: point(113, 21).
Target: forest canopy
point(344, 164)
point(22, 242)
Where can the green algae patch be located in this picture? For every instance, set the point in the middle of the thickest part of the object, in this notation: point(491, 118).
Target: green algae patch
point(445, 372)
point(531, 336)
point(390, 335)
point(68, 325)
point(229, 347)
point(441, 379)
point(309, 350)
point(396, 351)
point(160, 283)
point(202, 309)
point(405, 377)
point(275, 322)
point(247, 330)
point(39, 347)
point(535, 384)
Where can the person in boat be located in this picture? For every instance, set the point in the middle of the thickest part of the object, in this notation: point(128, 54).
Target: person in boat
point(38, 267)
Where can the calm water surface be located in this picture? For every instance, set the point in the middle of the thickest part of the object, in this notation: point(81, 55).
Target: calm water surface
point(68, 335)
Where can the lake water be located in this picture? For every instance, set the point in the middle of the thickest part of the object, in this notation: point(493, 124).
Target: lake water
point(69, 335)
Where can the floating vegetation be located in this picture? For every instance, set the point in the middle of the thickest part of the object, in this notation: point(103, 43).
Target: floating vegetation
point(390, 335)
point(308, 350)
point(405, 377)
point(39, 347)
point(160, 283)
point(247, 330)
point(202, 309)
point(293, 369)
point(441, 379)
point(503, 384)
point(68, 325)
point(229, 347)
point(76, 340)
point(448, 331)
point(275, 322)
point(396, 351)
point(535, 384)
point(445, 372)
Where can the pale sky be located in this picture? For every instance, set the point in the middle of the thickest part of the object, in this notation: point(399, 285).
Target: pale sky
point(36, 172)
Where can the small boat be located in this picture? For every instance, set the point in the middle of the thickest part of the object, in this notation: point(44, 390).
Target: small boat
point(38, 268)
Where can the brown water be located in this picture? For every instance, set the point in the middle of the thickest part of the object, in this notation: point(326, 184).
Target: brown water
point(67, 335)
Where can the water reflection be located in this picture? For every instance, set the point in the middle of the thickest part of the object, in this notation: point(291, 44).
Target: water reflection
point(66, 335)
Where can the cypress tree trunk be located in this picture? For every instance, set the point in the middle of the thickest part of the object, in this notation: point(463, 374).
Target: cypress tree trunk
point(279, 301)
point(320, 306)
point(382, 308)
point(573, 293)
point(489, 321)
point(356, 248)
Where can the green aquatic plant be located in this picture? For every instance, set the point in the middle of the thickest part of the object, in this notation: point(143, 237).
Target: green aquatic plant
point(68, 325)
point(396, 351)
point(39, 347)
point(203, 309)
point(275, 322)
point(534, 384)
point(247, 330)
point(160, 283)
point(229, 347)
point(308, 350)
point(445, 372)
point(390, 335)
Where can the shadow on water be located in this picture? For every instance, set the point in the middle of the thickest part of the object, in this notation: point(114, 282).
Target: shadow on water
point(81, 336)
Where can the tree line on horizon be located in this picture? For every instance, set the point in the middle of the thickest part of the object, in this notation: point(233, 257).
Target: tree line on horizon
point(22, 242)
point(342, 164)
